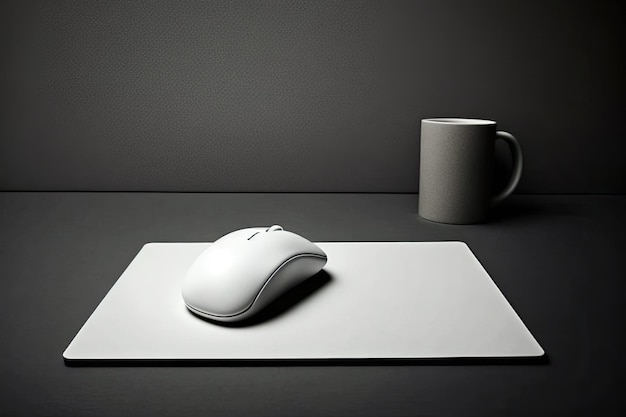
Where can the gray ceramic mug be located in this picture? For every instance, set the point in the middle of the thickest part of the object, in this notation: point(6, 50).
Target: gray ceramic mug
point(457, 159)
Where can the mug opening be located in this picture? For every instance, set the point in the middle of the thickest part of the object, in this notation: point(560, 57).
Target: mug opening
point(460, 121)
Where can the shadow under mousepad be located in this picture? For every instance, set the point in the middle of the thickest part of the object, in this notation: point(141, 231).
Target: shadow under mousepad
point(372, 300)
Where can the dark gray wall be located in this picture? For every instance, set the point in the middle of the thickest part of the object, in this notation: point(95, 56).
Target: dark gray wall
point(303, 95)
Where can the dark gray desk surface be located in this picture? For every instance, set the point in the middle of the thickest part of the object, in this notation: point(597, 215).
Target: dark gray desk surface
point(558, 259)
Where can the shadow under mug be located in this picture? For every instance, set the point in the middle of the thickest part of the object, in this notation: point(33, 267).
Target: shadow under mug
point(457, 160)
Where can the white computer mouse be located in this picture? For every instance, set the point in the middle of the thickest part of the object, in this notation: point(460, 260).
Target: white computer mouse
point(245, 270)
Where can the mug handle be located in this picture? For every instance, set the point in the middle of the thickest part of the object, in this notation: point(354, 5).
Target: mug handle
point(518, 162)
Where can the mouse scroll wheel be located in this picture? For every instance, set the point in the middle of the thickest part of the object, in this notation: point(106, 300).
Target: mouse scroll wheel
point(274, 228)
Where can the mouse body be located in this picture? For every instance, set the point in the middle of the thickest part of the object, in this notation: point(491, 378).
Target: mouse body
point(245, 270)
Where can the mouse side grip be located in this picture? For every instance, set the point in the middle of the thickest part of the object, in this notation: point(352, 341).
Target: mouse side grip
point(290, 274)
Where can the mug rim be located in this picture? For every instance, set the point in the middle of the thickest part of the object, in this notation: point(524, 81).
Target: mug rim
point(459, 121)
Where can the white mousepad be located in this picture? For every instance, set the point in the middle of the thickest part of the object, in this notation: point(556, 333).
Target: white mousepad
point(372, 300)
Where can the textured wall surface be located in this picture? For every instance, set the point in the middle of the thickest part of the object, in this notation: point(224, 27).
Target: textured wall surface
point(302, 95)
